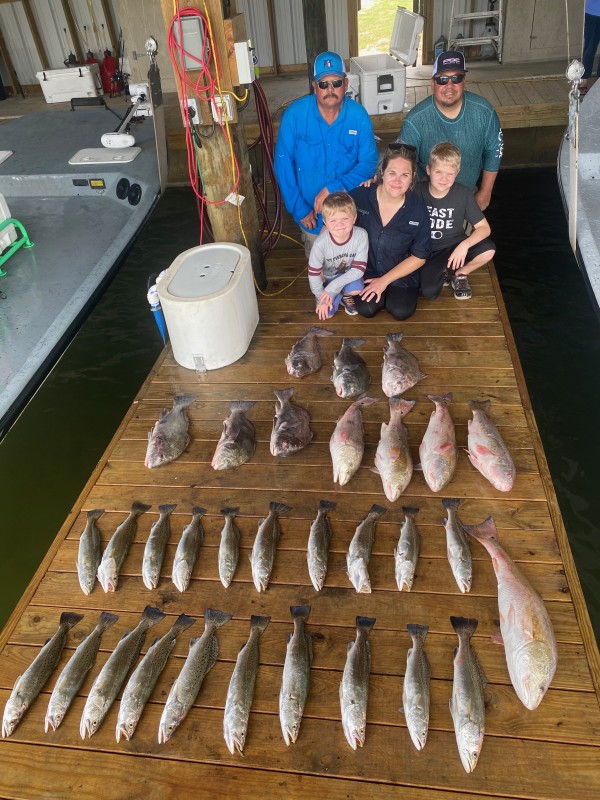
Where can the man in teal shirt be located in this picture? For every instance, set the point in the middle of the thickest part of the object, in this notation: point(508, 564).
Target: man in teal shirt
point(452, 114)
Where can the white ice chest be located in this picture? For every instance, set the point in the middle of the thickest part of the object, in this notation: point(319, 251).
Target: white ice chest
point(62, 85)
point(382, 76)
point(209, 302)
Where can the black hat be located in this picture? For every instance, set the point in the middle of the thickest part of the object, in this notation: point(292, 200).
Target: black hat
point(450, 61)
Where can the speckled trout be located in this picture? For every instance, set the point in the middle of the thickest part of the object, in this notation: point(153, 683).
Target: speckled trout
point(296, 676)
point(457, 546)
point(317, 554)
point(90, 552)
point(415, 690)
point(467, 705)
point(154, 551)
point(407, 550)
point(354, 688)
point(187, 550)
point(118, 547)
point(359, 551)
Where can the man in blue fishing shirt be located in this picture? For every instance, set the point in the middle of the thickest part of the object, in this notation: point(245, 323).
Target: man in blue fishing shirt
point(451, 114)
point(325, 144)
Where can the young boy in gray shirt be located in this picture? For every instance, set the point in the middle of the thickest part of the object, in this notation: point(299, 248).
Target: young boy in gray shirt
point(338, 258)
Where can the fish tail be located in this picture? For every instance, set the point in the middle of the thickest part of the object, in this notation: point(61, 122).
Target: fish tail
point(365, 400)
point(400, 405)
point(70, 618)
point(417, 632)
point(241, 405)
point(352, 342)
point(450, 502)
point(446, 399)
point(464, 625)
point(182, 623)
point(278, 508)
point(320, 331)
point(410, 511)
point(485, 531)
point(259, 623)
point(479, 405)
point(107, 620)
point(300, 612)
point(167, 508)
point(230, 512)
point(139, 508)
point(327, 505)
point(378, 510)
point(215, 617)
point(365, 623)
point(95, 513)
point(394, 337)
point(153, 615)
point(198, 511)
point(182, 401)
point(283, 394)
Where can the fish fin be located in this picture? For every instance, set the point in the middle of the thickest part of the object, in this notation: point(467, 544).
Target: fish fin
point(365, 623)
point(496, 638)
point(418, 467)
point(400, 405)
point(450, 502)
point(70, 618)
point(95, 513)
point(418, 632)
point(320, 331)
point(441, 398)
point(153, 615)
point(182, 623)
point(485, 531)
point(300, 612)
point(230, 512)
point(216, 617)
point(259, 623)
point(394, 337)
point(139, 508)
point(198, 511)
point(376, 509)
point(107, 620)
point(327, 505)
point(167, 508)
point(464, 624)
point(283, 394)
point(479, 405)
point(279, 508)
point(410, 511)
point(241, 405)
point(375, 470)
point(182, 401)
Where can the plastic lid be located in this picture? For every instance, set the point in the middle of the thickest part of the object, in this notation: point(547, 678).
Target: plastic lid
point(205, 271)
point(404, 44)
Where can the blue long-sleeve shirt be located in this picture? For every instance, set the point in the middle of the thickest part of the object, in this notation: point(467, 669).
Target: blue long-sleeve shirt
point(311, 154)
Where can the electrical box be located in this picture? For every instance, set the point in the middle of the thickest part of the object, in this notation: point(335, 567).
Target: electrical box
point(245, 62)
point(216, 106)
point(195, 41)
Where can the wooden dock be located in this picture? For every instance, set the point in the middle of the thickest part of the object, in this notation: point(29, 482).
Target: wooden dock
point(552, 753)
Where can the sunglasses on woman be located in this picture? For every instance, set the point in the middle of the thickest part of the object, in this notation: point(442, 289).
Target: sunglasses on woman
point(334, 84)
point(442, 80)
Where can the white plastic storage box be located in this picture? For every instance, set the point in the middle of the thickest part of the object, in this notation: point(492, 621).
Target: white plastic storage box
point(61, 85)
point(382, 76)
point(207, 296)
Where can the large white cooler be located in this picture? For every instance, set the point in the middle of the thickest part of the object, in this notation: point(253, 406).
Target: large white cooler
point(382, 76)
point(61, 85)
point(208, 299)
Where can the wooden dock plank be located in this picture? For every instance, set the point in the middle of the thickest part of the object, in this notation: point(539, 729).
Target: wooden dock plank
point(468, 351)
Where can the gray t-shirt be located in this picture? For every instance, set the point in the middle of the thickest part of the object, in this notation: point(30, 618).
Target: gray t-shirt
point(448, 214)
point(333, 266)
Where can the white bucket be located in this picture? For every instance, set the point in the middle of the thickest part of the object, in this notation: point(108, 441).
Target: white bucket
point(208, 298)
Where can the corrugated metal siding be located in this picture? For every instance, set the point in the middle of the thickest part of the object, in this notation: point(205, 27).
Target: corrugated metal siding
point(289, 26)
point(51, 23)
point(256, 14)
point(19, 42)
point(337, 27)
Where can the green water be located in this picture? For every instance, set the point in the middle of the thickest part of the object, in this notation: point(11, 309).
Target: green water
point(47, 457)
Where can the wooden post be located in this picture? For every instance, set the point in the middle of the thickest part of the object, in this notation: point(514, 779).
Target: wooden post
point(37, 40)
point(72, 30)
point(229, 223)
point(315, 33)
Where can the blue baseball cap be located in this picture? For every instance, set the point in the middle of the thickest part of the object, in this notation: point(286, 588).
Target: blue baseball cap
point(328, 63)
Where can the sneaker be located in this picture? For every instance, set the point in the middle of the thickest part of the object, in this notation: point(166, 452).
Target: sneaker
point(447, 278)
point(349, 305)
point(462, 290)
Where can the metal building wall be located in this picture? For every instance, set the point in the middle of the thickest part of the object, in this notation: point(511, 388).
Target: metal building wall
point(19, 42)
point(256, 14)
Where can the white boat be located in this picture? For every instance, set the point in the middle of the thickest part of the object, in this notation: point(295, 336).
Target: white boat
point(579, 180)
point(81, 218)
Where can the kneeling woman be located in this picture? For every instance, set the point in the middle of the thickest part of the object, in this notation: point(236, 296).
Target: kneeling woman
point(399, 235)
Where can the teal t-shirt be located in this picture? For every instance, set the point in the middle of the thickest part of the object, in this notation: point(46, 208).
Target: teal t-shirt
point(476, 132)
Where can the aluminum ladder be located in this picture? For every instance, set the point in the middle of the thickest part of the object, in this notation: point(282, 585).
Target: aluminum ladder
point(455, 41)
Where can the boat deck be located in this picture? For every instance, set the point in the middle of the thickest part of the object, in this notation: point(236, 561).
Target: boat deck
point(466, 348)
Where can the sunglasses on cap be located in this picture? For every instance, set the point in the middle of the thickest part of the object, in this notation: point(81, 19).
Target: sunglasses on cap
point(442, 80)
point(334, 84)
point(400, 147)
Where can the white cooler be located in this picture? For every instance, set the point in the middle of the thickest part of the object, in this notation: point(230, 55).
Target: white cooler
point(382, 76)
point(208, 299)
point(61, 85)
